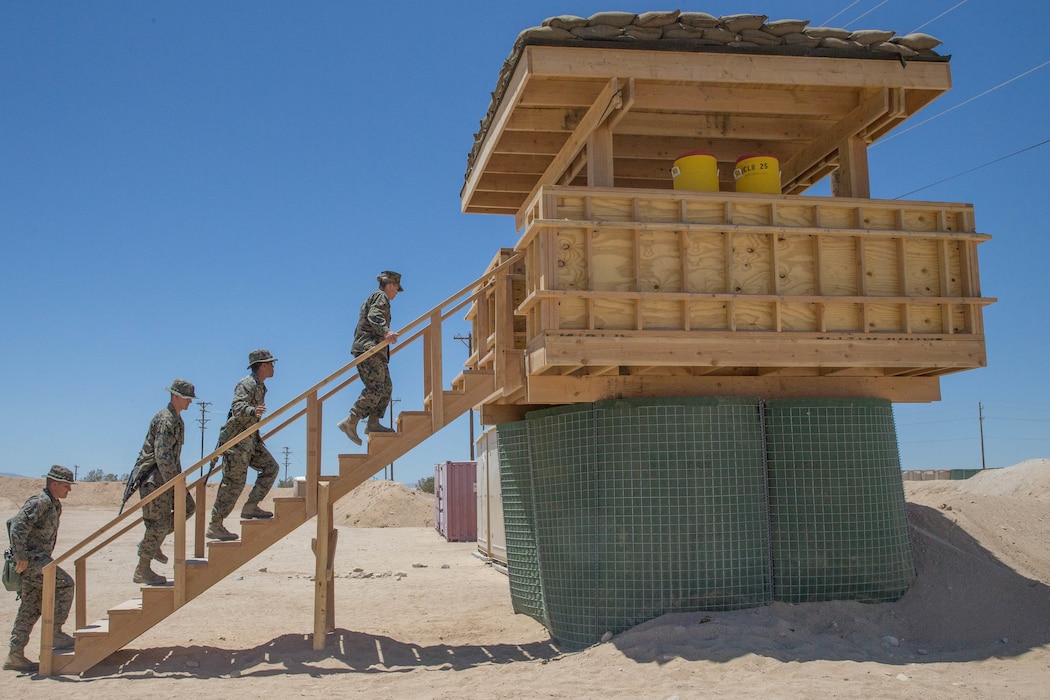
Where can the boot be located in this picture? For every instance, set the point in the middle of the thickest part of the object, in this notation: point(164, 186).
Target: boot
point(145, 575)
point(252, 511)
point(61, 641)
point(161, 557)
point(217, 532)
point(349, 426)
point(17, 661)
point(374, 426)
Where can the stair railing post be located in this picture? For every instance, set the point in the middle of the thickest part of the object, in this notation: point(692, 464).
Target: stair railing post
point(201, 500)
point(47, 619)
point(323, 601)
point(314, 411)
point(433, 362)
point(180, 542)
point(80, 592)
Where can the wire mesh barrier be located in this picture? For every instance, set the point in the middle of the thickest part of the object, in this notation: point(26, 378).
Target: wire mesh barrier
point(840, 531)
point(620, 511)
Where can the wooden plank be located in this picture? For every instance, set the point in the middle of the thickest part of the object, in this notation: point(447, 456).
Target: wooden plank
point(562, 390)
point(770, 349)
point(734, 69)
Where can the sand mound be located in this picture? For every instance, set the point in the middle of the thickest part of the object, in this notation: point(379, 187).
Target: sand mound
point(372, 504)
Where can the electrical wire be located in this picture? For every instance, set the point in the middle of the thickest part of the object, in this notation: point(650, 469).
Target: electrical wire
point(939, 16)
point(840, 12)
point(866, 13)
point(966, 172)
point(964, 102)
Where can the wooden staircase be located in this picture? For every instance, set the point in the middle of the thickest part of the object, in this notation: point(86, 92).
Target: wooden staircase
point(213, 560)
point(129, 619)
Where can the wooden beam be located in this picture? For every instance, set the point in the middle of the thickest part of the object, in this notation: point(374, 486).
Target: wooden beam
point(852, 175)
point(752, 349)
point(734, 69)
point(609, 100)
point(562, 390)
point(870, 110)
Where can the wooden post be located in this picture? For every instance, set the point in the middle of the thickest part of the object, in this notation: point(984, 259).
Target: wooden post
point(324, 583)
point(80, 593)
point(433, 361)
point(47, 619)
point(851, 178)
point(180, 542)
point(201, 501)
point(314, 410)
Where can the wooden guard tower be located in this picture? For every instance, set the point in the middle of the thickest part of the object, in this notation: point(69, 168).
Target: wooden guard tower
point(626, 287)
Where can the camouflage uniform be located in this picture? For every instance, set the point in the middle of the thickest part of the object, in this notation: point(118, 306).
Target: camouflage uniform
point(161, 459)
point(34, 530)
point(372, 326)
point(249, 393)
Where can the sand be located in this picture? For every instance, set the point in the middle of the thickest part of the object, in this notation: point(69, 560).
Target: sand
point(418, 617)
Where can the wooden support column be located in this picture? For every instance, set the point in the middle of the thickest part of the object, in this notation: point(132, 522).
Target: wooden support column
point(600, 157)
point(851, 178)
point(324, 577)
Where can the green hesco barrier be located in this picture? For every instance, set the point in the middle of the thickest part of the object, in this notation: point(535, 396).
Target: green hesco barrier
point(640, 508)
point(620, 511)
point(523, 565)
point(562, 448)
point(839, 526)
point(682, 522)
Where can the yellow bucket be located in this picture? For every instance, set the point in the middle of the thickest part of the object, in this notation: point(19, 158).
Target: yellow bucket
point(696, 170)
point(760, 174)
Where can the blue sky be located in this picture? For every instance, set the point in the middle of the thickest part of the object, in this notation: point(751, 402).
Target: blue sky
point(183, 182)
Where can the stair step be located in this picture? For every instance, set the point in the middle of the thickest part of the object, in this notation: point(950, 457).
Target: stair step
point(99, 628)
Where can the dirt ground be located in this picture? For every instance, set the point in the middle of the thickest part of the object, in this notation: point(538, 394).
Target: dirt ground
point(419, 617)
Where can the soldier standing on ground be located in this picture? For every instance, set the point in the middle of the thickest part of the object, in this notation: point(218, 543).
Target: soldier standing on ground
point(160, 460)
point(373, 327)
point(249, 405)
point(33, 531)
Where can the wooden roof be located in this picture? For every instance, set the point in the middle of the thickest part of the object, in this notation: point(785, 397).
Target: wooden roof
point(660, 100)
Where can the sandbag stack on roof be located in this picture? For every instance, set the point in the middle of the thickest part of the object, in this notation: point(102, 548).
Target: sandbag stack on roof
point(734, 31)
point(674, 30)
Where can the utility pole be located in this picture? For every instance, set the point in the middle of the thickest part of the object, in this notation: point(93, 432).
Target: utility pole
point(286, 453)
point(469, 340)
point(980, 423)
point(392, 402)
point(203, 421)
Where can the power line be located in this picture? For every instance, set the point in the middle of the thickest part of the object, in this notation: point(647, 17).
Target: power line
point(939, 16)
point(866, 13)
point(825, 23)
point(966, 172)
point(964, 102)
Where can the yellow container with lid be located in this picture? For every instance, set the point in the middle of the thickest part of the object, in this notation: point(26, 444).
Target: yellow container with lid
point(696, 170)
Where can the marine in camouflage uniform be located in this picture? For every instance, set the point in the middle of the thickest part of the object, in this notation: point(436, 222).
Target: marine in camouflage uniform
point(249, 404)
point(160, 460)
point(33, 531)
point(373, 327)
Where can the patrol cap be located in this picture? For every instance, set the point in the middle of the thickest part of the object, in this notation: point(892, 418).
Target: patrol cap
point(387, 276)
point(181, 388)
point(62, 474)
point(259, 356)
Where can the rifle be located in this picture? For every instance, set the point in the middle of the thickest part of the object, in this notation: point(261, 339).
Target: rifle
point(135, 479)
